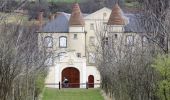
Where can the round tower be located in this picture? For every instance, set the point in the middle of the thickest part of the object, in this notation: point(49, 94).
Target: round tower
point(116, 21)
point(76, 22)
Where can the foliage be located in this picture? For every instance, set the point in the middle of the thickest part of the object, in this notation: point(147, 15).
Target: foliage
point(162, 66)
point(40, 82)
point(35, 7)
point(20, 60)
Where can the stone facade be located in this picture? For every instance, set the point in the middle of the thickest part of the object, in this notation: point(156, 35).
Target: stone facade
point(71, 39)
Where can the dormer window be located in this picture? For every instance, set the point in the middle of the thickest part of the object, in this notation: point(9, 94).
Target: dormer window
point(63, 42)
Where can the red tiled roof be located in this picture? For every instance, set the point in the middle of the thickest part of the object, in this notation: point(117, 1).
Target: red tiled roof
point(116, 17)
point(76, 18)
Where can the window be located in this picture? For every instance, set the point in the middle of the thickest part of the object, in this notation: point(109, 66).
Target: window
point(104, 14)
point(91, 26)
point(48, 42)
point(61, 55)
point(162, 40)
point(92, 40)
point(106, 40)
point(91, 58)
point(75, 36)
point(115, 36)
point(144, 41)
point(49, 59)
point(79, 55)
point(63, 42)
point(130, 40)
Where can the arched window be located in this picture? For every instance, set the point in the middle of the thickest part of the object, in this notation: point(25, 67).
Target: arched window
point(48, 42)
point(62, 42)
point(145, 41)
point(49, 59)
point(61, 55)
point(91, 58)
point(130, 40)
point(106, 40)
point(92, 40)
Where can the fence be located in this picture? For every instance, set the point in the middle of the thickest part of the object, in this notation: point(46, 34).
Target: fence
point(73, 85)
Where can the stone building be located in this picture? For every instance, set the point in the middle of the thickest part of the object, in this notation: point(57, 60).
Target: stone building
point(70, 40)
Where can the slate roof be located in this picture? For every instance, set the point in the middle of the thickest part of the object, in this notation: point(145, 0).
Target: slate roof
point(134, 24)
point(59, 24)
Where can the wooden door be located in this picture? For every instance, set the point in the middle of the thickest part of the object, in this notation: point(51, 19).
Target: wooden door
point(73, 76)
point(91, 81)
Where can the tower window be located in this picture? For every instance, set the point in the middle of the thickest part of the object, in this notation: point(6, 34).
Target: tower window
point(116, 36)
point(79, 55)
point(75, 36)
point(91, 26)
point(92, 40)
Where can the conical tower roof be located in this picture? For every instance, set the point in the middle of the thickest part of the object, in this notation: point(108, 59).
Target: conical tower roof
point(116, 17)
point(76, 18)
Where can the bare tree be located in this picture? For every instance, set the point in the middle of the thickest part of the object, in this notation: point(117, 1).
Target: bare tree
point(21, 62)
point(125, 68)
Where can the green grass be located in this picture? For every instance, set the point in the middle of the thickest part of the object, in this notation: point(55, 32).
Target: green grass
point(72, 94)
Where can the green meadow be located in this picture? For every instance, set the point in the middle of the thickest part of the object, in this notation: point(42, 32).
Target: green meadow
point(72, 94)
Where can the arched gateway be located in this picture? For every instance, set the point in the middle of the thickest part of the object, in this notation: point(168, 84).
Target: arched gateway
point(73, 76)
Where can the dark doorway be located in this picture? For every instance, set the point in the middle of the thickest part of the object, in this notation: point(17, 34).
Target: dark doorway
point(73, 76)
point(91, 81)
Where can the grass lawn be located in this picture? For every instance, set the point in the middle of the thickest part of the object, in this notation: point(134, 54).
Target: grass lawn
point(72, 94)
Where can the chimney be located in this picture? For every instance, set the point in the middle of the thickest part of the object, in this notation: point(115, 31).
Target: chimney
point(51, 17)
point(40, 19)
point(57, 14)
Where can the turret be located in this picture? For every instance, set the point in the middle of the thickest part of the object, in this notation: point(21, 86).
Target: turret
point(76, 21)
point(116, 21)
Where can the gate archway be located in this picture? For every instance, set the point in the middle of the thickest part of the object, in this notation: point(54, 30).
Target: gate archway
point(73, 76)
